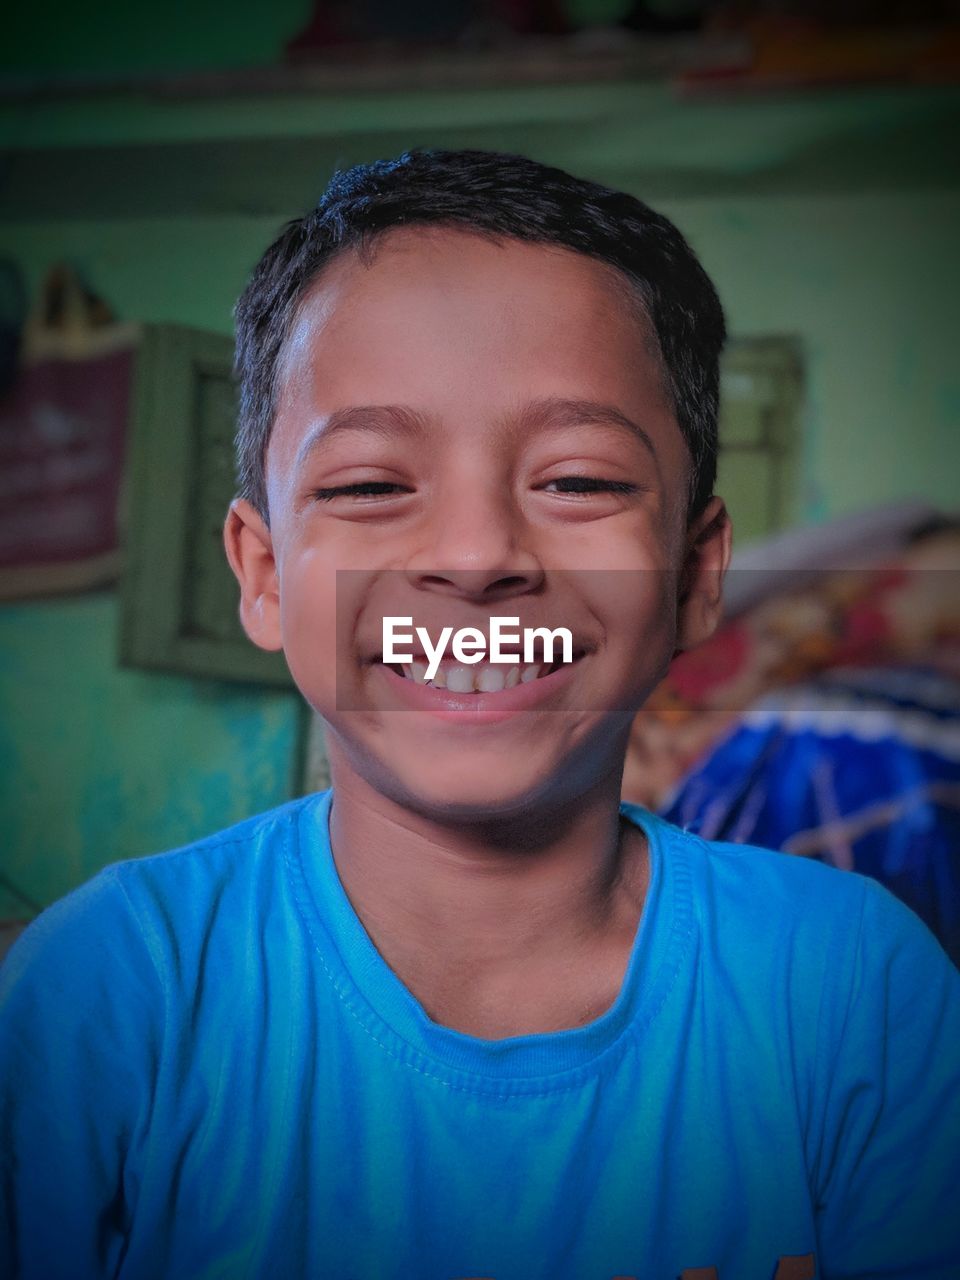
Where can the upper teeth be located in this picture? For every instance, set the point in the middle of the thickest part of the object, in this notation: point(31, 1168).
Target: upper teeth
point(481, 677)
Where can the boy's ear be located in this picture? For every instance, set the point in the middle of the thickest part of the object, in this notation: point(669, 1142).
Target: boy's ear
point(249, 548)
point(708, 543)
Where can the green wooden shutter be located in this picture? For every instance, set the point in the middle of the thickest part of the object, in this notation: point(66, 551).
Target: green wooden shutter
point(760, 387)
point(179, 598)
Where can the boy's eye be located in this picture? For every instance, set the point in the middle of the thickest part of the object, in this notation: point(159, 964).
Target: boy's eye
point(565, 484)
point(590, 484)
point(363, 488)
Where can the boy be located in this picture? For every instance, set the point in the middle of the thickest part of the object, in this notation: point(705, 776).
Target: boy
point(465, 1015)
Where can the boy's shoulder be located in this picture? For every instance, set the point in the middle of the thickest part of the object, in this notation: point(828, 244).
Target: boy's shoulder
point(174, 890)
point(235, 848)
point(754, 902)
point(722, 867)
point(254, 832)
point(243, 848)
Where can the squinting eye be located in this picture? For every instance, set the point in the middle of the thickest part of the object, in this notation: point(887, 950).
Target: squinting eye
point(363, 488)
point(378, 488)
point(590, 484)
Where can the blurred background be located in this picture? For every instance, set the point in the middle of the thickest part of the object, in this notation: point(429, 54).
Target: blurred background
point(807, 151)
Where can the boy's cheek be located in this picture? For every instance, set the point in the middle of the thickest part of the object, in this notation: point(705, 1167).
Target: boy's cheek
point(638, 612)
point(307, 623)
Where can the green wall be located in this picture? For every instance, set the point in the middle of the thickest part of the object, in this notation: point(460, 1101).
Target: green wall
point(114, 35)
point(871, 285)
point(830, 217)
point(98, 763)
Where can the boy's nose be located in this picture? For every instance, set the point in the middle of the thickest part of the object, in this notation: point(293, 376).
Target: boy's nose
point(477, 546)
point(486, 585)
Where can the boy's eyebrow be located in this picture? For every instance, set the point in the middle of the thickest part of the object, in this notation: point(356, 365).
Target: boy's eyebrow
point(559, 412)
point(388, 420)
point(385, 420)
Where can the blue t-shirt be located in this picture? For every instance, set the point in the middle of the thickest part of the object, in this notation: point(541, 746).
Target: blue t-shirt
point(208, 1070)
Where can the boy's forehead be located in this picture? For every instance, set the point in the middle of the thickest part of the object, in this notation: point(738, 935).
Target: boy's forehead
point(453, 268)
point(443, 317)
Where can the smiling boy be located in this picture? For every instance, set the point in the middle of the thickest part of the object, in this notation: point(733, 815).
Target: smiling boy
point(465, 1014)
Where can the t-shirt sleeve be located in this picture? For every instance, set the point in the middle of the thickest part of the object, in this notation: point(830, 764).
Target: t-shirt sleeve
point(79, 1013)
point(887, 1199)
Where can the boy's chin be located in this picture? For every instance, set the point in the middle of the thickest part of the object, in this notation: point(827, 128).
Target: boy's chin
point(468, 791)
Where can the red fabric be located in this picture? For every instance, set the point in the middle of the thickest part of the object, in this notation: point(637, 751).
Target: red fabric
point(62, 445)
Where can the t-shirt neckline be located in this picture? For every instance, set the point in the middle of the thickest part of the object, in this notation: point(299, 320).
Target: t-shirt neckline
point(376, 998)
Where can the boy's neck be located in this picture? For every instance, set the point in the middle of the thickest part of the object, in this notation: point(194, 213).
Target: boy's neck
point(495, 939)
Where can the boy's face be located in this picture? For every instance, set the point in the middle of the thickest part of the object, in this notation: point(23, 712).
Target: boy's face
point(479, 343)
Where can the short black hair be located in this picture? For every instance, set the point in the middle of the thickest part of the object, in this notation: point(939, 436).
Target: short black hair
point(495, 194)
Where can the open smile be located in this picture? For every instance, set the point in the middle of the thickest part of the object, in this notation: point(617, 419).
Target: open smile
point(481, 693)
